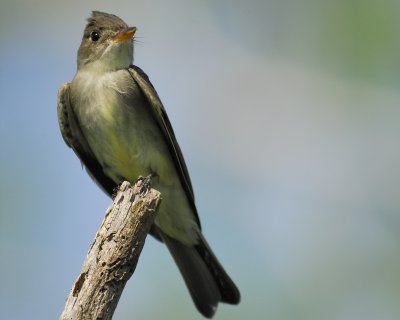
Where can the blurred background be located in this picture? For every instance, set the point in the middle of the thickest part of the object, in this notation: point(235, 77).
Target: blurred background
point(288, 115)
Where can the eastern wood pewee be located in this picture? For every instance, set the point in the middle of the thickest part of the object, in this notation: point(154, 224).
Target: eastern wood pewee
point(113, 119)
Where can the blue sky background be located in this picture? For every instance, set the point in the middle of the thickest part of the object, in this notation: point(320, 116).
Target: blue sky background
point(288, 115)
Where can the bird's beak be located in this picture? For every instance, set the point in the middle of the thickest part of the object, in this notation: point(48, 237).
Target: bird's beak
point(126, 34)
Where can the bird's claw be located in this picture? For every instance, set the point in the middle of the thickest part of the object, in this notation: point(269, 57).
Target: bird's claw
point(145, 184)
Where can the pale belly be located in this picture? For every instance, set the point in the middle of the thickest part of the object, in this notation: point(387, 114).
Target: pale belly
point(128, 143)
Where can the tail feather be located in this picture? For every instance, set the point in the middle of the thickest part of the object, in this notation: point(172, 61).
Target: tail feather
point(229, 292)
point(207, 281)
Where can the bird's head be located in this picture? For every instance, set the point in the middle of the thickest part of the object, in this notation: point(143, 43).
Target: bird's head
point(107, 43)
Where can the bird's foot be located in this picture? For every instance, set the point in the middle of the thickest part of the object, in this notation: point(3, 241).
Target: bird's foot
point(144, 183)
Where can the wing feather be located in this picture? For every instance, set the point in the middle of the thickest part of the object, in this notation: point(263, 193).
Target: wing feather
point(160, 116)
point(74, 138)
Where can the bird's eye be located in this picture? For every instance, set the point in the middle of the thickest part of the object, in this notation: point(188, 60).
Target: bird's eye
point(94, 36)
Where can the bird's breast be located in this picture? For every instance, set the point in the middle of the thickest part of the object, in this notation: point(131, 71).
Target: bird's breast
point(117, 124)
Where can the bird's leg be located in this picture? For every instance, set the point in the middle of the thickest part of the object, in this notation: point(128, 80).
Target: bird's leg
point(145, 183)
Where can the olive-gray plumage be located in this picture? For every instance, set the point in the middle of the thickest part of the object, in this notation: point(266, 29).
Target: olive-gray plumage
point(113, 119)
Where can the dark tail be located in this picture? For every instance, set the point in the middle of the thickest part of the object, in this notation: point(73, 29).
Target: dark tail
point(206, 279)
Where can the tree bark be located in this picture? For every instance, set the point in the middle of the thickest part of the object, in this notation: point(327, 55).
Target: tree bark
point(114, 253)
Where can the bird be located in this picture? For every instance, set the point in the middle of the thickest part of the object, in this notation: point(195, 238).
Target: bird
point(111, 116)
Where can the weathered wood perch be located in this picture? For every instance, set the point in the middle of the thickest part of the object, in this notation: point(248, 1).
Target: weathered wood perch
point(114, 253)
